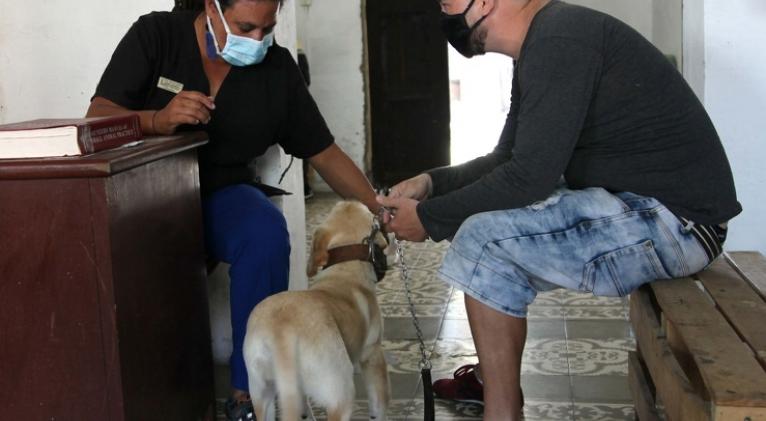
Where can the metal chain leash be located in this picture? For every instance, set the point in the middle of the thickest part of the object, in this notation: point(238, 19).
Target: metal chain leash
point(425, 363)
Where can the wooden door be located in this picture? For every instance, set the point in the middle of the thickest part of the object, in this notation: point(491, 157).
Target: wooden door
point(409, 89)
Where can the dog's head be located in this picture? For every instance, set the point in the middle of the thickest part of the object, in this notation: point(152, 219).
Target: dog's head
point(349, 222)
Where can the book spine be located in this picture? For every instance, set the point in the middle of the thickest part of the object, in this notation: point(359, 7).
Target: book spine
point(112, 133)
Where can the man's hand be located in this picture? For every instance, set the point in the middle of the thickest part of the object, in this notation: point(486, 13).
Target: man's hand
point(404, 220)
point(418, 188)
point(188, 107)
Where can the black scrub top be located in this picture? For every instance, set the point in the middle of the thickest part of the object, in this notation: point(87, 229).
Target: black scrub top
point(257, 106)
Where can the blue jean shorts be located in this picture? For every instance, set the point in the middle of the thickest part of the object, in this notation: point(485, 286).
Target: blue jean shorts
point(588, 240)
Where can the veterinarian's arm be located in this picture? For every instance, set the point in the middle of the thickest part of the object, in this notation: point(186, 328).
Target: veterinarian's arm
point(337, 169)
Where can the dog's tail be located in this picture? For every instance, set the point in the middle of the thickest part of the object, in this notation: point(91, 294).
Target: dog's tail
point(287, 378)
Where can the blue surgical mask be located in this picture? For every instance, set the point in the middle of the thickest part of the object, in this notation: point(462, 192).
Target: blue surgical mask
point(239, 50)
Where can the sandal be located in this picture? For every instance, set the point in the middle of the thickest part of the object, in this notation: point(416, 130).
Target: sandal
point(237, 410)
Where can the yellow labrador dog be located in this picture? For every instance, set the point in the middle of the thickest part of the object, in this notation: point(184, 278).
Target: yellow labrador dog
point(306, 343)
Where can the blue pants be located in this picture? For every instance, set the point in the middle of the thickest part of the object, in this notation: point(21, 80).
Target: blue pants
point(588, 240)
point(243, 228)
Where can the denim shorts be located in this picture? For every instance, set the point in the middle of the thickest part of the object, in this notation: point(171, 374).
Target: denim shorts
point(588, 240)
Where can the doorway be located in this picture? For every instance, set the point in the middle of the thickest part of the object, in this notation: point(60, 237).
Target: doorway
point(408, 87)
point(480, 99)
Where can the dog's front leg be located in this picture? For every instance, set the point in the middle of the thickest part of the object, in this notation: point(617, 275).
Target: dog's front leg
point(375, 373)
point(265, 408)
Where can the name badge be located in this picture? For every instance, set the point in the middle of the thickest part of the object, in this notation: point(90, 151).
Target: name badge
point(170, 85)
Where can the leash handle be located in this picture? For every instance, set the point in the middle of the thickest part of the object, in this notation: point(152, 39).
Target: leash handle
point(428, 395)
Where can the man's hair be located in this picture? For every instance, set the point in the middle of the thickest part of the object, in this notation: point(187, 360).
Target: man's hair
point(200, 4)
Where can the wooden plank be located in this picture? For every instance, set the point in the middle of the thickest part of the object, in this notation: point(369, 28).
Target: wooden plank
point(740, 304)
point(723, 413)
point(673, 387)
point(732, 375)
point(684, 358)
point(752, 265)
point(646, 408)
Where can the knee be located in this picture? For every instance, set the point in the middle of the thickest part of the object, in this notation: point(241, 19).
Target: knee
point(266, 236)
point(473, 232)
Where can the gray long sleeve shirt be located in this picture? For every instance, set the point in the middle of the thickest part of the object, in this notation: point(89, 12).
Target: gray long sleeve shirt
point(595, 102)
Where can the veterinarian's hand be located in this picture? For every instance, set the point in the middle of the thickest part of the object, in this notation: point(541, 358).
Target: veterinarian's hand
point(404, 222)
point(187, 107)
point(418, 188)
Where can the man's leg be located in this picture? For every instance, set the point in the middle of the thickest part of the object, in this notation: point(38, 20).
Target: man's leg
point(588, 240)
point(500, 358)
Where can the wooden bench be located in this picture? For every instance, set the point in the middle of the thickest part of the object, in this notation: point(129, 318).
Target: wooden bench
point(702, 344)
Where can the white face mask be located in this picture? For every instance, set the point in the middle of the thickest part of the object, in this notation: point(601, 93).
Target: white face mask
point(239, 50)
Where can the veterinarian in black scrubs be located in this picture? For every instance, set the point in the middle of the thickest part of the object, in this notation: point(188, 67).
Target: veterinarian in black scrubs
point(220, 70)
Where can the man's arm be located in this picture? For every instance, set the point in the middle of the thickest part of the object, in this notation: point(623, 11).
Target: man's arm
point(343, 176)
point(447, 179)
point(558, 77)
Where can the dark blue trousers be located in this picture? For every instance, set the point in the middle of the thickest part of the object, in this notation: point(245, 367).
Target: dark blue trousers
point(243, 228)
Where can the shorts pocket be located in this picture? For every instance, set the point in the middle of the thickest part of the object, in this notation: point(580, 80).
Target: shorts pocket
point(619, 272)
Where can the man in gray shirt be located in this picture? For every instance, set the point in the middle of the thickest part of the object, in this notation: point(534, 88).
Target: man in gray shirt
point(608, 174)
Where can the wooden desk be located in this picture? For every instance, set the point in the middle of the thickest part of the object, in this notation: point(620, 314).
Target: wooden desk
point(103, 300)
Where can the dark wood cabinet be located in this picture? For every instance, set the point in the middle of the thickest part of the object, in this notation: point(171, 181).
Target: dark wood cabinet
point(103, 296)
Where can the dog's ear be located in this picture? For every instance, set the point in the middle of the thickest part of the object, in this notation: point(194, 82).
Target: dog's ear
point(319, 254)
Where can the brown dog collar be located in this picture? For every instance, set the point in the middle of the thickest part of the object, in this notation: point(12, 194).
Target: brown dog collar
point(362, 253)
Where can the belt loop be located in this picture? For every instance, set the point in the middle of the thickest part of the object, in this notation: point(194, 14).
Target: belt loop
point(686, 225)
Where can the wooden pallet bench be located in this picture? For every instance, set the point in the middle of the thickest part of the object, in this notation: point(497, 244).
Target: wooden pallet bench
point(701, 344)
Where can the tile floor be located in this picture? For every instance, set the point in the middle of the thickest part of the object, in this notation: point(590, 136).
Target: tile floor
point(574, 365)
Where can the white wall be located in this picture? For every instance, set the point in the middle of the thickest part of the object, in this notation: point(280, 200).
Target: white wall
point(52, 53)
point(330, 32)
point(735, 97)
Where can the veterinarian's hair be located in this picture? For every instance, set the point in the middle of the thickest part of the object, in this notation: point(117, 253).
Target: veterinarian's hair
point(200, 4)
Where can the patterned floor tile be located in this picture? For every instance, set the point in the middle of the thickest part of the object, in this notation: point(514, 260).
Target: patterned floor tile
point(403, 355)
point(412, 410)
point(425, 259)
point(546, 388)
point(539, 312)
point(403, 310)
point(545, 357)
point(605, 389)
point(595, 357)
point(575, 298)
point(403, 328)
point(541, 356)
point(603, 412)
point(602, 312)
point(601, 329)
point(456, 311)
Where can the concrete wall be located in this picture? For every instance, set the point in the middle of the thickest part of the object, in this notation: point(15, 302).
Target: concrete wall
point(331, 34)
point(694, 45)
point(637, 13)
point(733, 67)
point(667, 28)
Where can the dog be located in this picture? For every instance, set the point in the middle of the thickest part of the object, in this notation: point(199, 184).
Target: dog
point(307, 343)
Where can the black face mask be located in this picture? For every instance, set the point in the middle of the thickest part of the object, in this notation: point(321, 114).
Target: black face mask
point(458, 33)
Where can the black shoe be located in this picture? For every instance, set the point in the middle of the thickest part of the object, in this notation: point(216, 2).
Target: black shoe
point(239, 410)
